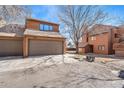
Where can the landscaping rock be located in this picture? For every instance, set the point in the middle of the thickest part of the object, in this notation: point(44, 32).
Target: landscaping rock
point(121, 74)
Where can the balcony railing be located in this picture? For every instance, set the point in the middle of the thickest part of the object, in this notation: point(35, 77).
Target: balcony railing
point(116, 40)
point(118, 46)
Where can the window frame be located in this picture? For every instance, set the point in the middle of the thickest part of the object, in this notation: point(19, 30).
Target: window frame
point(41, 28)
point(93, 38)
point(101, 47)
point(46, 27)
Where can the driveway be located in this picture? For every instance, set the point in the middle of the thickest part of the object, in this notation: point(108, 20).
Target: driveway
point(59, 71)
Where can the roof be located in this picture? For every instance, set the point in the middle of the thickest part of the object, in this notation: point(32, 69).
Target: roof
point(33, 19)
point(81, 45)
point(100, 29)
point(13, 30)
point(30, 32)
point(7, 34)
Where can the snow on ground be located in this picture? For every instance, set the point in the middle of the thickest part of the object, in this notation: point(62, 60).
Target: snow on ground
point(59, 71)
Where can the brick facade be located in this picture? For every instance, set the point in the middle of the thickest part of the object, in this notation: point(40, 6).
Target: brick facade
point(104, 40)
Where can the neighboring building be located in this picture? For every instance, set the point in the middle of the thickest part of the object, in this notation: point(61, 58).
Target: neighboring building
point(118, 45)
point(70, 46)
point(101, 39)
point(35, 38)
point(2, 22)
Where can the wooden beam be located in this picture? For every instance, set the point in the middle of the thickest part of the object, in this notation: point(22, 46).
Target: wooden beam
point(11, 38)
point(25, 46)
point(46, 38)
point(64, 47)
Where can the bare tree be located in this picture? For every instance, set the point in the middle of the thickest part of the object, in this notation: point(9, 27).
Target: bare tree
point(78, 20)
point(120, 21)
point(12, 13)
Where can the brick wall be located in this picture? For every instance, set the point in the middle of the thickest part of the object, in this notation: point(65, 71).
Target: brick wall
point(118, 45)
point(97, 40)
point(119, 53)
point(106, 37)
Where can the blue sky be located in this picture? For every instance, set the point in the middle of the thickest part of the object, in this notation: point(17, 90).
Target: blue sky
point(49, 12)
point(45, 12)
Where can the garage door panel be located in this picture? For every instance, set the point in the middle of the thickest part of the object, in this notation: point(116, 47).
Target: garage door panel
point(38, 47)
point(10, 47)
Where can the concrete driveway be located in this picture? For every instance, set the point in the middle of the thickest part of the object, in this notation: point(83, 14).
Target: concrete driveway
point(58, 71)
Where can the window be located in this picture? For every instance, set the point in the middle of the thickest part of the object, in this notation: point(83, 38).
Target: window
point(41, 27)
point(117, 35)
point(93, 38)
point(50, 28)
point(101, 47)
point(44, 27)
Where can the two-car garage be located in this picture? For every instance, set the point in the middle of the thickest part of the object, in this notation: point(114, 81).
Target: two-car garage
point(46, 47)
point(11, 40)
point(42, 43)
point(11, 47)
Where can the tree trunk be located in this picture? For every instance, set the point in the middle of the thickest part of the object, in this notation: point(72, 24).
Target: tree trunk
point(76, 44)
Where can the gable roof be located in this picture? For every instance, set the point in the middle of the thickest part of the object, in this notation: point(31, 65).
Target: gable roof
point(100, 29)
point(38, 20)
point(13, 30)
point(30, 32)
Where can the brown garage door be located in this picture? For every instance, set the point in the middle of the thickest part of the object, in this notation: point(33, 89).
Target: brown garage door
point(38, 47)
point(10, 47)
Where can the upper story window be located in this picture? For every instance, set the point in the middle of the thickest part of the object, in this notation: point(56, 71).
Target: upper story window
point(44, 27)
point(93, 38)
